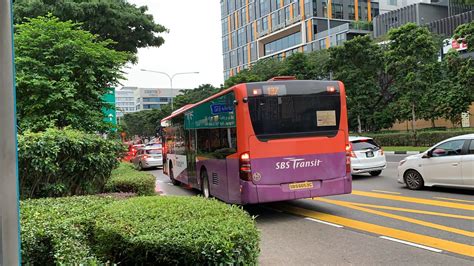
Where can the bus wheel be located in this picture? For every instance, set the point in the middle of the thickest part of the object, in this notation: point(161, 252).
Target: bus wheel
point(205, 184)
point(174, 181)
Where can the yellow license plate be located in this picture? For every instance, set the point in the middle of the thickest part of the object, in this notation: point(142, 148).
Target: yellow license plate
point(301, 185)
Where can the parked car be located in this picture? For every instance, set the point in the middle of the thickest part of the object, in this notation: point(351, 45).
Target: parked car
point(366, 156)
point(133, 149)
point(449, 163)
point(148, 157)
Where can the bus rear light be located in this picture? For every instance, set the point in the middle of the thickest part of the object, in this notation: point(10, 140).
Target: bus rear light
point(245, 167)
point(331, 89)
point(257, 91)
point(349, 153)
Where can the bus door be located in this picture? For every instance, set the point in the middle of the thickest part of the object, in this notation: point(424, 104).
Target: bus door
point(191, 157)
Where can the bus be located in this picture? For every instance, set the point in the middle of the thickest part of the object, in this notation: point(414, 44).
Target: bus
point(279, 140)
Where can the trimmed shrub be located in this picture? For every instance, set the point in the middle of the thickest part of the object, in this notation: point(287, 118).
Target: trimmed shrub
point(176, 231)
point(57, 230)
point(92, 230)
point(65, 162)
point(126, 179)
point(423, 138)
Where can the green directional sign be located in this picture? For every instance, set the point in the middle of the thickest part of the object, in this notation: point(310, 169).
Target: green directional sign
point(217, 113)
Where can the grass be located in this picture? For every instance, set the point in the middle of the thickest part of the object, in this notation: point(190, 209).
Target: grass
point(404, 148)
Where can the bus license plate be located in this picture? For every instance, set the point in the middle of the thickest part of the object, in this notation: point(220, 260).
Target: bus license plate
point(302, 185)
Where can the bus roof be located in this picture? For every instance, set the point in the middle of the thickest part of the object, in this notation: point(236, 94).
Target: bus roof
point(190, 106)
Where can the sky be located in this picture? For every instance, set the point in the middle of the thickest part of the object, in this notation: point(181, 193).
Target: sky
point(193, 44)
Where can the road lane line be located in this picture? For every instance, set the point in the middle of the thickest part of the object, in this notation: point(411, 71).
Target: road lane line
point(460, 200)
point(411, 244)
point(415, 211)
point(429, 241)
point(401, 218)
point(323, 222)
point(415, 200)
point(388, 192)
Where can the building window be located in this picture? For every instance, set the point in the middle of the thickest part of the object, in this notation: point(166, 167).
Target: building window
point(340, 38)
point(283, 43)
point(325, 10)
point(151, 106)
point(337, 11)
point(392, 2)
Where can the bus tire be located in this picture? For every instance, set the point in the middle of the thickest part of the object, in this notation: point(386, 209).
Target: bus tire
point(171, 175)
point(205, 184)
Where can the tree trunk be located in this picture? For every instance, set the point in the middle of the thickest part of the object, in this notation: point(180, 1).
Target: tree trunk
point(433, 125)
point(413, 123)
point(359, 125)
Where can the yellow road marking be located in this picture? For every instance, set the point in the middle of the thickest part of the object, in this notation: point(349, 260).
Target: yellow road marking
point(398, 217)
point(415, 200)
point(460, 200)
point(389, 192)
point(438, 243)
point(415, 211)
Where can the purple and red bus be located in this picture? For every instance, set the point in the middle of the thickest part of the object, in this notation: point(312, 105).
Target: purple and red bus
point(262, 142)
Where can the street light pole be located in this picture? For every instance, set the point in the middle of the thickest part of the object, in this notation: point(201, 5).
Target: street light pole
point(170, 77)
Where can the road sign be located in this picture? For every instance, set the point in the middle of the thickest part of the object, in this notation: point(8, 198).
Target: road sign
point(9, 233)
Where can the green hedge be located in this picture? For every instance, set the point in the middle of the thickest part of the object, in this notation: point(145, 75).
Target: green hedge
point(126, 179)
point(136, 231)
point(423, 138)
point(65, 162)
point(177, 230)
point(57, 230)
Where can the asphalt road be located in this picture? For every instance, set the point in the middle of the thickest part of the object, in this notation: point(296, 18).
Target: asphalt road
point(381, 222)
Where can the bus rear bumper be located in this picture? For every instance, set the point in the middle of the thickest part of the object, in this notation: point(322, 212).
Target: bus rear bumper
point(252, 193)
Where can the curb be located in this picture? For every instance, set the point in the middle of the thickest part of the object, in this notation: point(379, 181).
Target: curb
point(403, 152)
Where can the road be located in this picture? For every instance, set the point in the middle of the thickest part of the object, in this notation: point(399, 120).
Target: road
point(381, 222)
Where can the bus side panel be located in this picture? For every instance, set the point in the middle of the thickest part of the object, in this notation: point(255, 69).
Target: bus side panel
point(217, 176)
point(233, 181)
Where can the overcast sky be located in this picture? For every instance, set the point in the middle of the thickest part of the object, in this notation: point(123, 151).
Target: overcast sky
point(193, 44)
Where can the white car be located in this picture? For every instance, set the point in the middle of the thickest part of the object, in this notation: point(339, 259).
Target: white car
point(449, 163)
point(366, 156)
point(148, 157)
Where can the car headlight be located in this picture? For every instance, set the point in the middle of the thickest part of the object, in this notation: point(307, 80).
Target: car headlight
point(402, 162)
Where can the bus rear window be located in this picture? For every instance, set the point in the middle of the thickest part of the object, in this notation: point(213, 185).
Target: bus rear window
point(297, 112)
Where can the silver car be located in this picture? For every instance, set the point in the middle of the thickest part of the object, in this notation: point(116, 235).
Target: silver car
point(148, 157)
point(366, 156)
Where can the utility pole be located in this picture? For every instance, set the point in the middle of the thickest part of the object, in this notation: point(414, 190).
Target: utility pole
point(9, 222)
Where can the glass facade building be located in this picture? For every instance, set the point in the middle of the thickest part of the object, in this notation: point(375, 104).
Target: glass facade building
point(257, 29)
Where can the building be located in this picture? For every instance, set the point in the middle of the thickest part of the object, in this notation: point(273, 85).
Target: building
point(257, 29)
point(153, 98)
point(420, 13)
point(125, 101)
point(390, 5)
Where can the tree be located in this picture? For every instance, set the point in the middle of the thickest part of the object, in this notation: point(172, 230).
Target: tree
point(316, 65)
point(466, 31)
point(456, 87)
point(243, 76)
point(126, 24)
point(193, 96)
point(358, 64)
point(62, 74)
point(144, 123)
point(412, 49)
